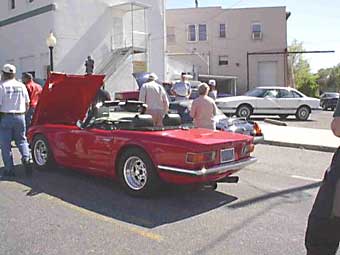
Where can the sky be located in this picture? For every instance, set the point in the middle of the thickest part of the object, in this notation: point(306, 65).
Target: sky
point(315, 23)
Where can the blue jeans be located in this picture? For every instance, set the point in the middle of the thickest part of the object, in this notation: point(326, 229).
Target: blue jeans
point(12, 127)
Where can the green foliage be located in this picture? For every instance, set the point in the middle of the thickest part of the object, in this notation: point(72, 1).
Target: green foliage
point(305, 81)
point(329, 79)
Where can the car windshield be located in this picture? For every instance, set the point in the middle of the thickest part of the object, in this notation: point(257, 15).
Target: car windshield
point(257, 92)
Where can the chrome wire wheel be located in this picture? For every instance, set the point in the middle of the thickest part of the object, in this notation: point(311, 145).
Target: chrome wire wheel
point(135, 173)
point(40, 152)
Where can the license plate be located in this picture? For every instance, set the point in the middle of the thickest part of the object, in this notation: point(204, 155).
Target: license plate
point(227, 155)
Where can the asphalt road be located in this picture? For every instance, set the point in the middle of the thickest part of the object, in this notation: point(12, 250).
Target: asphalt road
point(318, 119)
point(65, 212)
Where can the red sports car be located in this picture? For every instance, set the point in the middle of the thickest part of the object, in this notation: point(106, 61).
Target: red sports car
point(119, 141)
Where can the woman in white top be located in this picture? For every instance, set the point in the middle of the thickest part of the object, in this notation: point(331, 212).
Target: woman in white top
point(203, 109)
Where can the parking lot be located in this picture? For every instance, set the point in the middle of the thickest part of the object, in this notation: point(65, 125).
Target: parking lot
point(318, 119)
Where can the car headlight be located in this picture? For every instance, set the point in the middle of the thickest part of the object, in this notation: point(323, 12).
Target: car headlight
point(202, 157)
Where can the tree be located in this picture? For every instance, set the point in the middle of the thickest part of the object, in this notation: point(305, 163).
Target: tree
point(329, 79)
point(303, 79)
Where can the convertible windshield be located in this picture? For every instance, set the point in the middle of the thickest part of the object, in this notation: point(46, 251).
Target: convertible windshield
point(255, 92)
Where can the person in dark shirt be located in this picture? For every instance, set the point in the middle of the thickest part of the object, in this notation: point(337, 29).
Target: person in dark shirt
point(101, 96)
point(323, 229)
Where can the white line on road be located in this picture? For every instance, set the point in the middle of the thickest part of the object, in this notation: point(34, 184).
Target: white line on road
point(306, 178)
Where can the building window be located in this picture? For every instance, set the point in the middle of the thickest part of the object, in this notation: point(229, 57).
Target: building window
point(11, 4)
point(191, 33)
point(256, 29)
point(223, 60)
point(202, 32)
point(222, 31)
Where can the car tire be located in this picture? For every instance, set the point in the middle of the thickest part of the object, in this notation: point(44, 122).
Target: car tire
point(244, 111)
point(283, 116)
point(137, 174)
point(303, 113)
point(41, 153)
point(324, 108)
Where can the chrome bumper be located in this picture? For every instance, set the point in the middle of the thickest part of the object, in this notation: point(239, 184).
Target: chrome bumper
point(235, 165)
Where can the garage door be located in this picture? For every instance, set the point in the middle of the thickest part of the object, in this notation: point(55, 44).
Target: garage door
point(267, 73)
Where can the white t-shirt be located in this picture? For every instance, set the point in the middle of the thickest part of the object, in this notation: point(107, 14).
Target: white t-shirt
point(154, 96)
point(13, 96)
point(182, 88)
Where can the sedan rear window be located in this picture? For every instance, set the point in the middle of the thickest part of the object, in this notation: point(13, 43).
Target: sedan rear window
point(256, 92)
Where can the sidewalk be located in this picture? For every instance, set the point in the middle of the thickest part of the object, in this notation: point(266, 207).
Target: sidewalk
point(297, 137)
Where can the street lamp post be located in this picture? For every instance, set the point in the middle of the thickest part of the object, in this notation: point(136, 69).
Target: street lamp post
point(51, 42)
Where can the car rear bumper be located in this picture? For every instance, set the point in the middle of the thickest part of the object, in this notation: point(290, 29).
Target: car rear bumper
point(236, 165)
point(258, 139)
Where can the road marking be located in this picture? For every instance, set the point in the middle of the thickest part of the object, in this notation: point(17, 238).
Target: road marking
point(103, 218)
point(306, 178)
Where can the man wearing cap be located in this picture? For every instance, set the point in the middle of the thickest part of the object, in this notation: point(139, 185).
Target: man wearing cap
point(14, 101)
point(212, 89)
point(34, 91)
point(182, 89)
point(154, 95)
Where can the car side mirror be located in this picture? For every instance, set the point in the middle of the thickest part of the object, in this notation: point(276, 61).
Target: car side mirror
point(80, 124)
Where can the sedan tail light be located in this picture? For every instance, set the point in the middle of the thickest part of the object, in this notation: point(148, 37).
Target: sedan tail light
point(257, 129)
point(203, 157)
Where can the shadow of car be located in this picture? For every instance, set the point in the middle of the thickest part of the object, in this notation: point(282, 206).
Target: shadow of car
point(328, 100)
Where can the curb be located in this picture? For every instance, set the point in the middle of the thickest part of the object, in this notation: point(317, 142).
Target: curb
point(301, 146)
point(276, 122)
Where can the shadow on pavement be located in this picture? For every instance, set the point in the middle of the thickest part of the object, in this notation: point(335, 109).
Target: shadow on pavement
point(107, 198)
point(281, 193)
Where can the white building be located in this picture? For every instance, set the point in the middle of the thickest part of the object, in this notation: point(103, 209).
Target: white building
point(226, 43)
point(122, 36)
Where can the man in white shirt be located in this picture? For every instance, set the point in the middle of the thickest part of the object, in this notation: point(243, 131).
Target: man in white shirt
point(14, 101)
point(182, 89)
point(212, 89)
point(154, 95)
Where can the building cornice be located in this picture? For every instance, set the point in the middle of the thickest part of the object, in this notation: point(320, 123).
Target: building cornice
point(27, 15)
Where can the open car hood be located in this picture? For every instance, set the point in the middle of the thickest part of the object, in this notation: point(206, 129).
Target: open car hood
point(66, 98)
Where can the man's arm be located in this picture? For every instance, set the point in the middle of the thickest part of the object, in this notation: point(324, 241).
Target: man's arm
point(335, 125)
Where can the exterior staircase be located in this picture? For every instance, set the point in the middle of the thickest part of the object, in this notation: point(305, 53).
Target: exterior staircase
point(117, 57)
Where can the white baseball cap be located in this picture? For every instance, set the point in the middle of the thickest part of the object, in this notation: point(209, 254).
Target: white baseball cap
point(212, 82)
point(8, 68)
point(153, 76)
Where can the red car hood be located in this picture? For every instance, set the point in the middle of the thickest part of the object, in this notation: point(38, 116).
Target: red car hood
point(66, 98)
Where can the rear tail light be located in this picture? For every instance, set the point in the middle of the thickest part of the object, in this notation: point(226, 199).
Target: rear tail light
point(204, 157)
point(247, 149)
point(257, 129)
point(118, 96)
